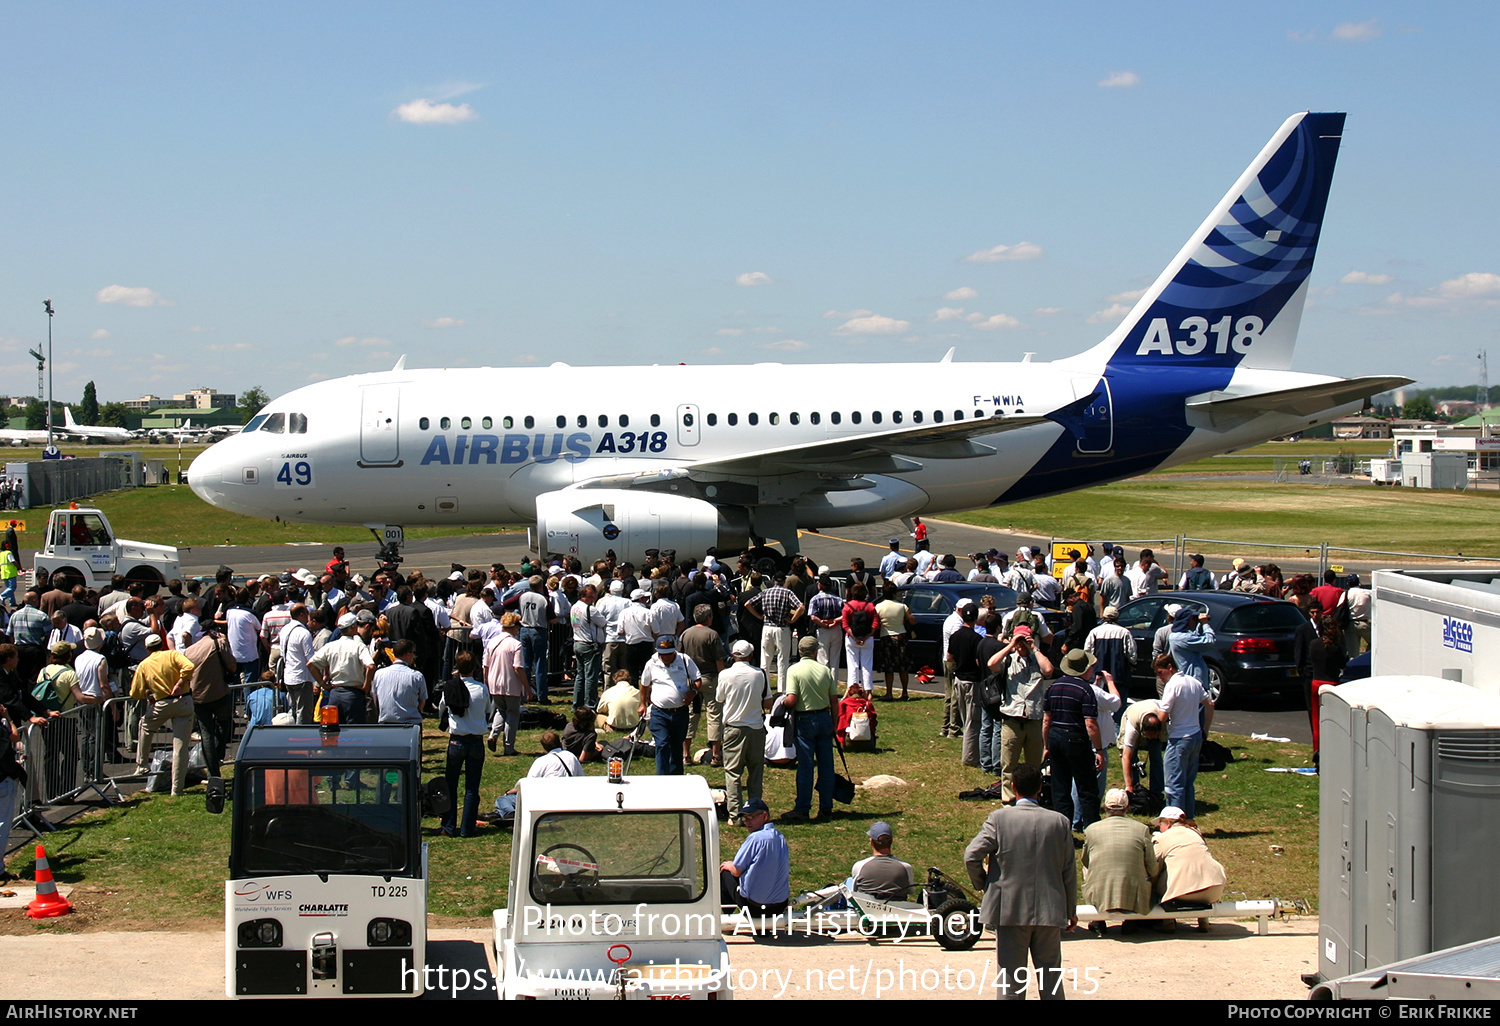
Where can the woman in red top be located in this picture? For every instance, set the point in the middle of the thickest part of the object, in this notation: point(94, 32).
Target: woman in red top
point(855, 700)
point(860, 621)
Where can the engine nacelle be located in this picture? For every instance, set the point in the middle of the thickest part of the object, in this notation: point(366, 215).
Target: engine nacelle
point(587, 522)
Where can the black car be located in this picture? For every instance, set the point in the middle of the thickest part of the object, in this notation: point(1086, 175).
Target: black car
point(931, 604)
point(1254, 636)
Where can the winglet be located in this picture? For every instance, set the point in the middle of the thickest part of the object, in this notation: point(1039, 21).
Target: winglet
point(400, 364)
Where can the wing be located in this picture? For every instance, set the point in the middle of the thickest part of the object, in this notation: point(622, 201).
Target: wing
point(1224, 410)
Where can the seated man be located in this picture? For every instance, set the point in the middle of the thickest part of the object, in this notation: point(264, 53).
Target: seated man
point(1119, 862)
point(882, 875)
point(555, 760)
point(618, 705)
point(759, 877)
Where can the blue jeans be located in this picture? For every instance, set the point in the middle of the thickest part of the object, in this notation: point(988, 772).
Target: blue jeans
point(669, 731)
point(10, 790)
point(534, 652)
point(990, 758)
point(466, 754)
point(814, 745)
point(590, 658)
point(1182, 771)
point(8, 591)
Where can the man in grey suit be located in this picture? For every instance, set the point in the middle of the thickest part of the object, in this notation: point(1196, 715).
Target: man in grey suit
point(1030, 888)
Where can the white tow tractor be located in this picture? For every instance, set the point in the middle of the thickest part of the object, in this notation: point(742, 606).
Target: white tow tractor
point(614, 892)
point(80, 547)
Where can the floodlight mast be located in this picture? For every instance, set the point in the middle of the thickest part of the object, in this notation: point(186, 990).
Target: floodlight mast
point(47, 303)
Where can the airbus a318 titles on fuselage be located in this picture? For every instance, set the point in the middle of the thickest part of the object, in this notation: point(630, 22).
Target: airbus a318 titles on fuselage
point(1200, 366)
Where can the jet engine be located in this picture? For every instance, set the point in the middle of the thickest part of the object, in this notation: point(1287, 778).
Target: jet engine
point(587, 522)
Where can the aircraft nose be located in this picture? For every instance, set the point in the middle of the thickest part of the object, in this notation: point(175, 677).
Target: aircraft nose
point(206, 476)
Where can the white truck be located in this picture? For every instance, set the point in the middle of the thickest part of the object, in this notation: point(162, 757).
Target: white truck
point(80, 547)
point(614, 892)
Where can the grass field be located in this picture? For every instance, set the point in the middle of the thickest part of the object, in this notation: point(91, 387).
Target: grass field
point(158, 862)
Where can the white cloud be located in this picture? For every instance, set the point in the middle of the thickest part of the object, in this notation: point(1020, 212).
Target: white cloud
point(1047, 311)
point(315, 376)
point(236, 347)
point(444, 322)
point(948, 313)
point(130, 295)
point(1362, 278)
point(997, 322)
point(425, 112)
point(713, 351)
point(1480, 285)
point(1020, 251)
point(1356, 31)
point(786, 345)
point(1127, 297)
point(526, 358)
point(99, 333)
point(753, 278)
point(1110, 314)
point(347, 340)
point(847, 313)
point(195, 329)
point(371, 341)
point(961, 293)
point(872, 325)
point(1120, 80)
point(730, 332)
point(1294, 36)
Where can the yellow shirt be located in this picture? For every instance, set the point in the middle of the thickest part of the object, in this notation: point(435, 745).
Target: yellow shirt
point(159, 673)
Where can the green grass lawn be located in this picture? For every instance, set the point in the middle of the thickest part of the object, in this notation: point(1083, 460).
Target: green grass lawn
point(159, 863)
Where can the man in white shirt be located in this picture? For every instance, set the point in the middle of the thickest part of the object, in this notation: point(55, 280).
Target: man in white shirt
point(667, 687)
point(296, 644)
point(555, 760)
point(612, 606)
point(1181, 698)
point(1145, 574)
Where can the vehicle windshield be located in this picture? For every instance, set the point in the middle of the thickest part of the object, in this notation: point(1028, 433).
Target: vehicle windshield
point(618, 858)
point(324, 819)
point(1264, 616)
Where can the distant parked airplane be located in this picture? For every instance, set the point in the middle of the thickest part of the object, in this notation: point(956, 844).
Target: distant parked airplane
point(89, 432)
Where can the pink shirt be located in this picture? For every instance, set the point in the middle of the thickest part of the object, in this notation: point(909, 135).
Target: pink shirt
point(502, 665)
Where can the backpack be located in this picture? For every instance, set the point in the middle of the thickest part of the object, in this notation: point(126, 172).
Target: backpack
point(114, 653)
point(1023, 617)
point(991, 693)
point(45, 690)
point(1199, 579)
point(861, 622)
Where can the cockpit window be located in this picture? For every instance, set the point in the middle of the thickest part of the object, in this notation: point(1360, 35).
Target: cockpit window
point(255, 422)
point(297, 424)
point(275, 423)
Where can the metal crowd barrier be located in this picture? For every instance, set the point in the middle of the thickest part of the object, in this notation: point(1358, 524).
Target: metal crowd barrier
point(64, 758)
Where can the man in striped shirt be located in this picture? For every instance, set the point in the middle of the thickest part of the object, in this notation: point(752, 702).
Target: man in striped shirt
point(1070, 734)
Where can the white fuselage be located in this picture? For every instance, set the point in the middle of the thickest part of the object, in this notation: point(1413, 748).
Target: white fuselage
point(478, 446)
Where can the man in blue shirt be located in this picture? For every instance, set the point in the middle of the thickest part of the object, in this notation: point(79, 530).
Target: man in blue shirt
point(759, 877)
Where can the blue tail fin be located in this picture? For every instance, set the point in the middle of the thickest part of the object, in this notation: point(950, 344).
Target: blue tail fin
point(1233, 295)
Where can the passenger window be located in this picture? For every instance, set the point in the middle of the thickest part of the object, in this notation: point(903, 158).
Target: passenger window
point(775, 418)
point(656, 420)
point(603, 420)
point(854, 417)
point(837, 416)
point(297, 423)
point(530, 423)
point(424, 423)
point(734, 418)
point(875, 417)
point(487, 423)
point(624, 420)
point(509, 422)
point(754, 419)
point(937, 416)
point(713, 420)
point(562, 421)
point(958, 414)
point(796, 418)
point(466, 423)
point(896, 417)
point(916, 417)
point(583, 420)
point(815, 417)
point(445, 423)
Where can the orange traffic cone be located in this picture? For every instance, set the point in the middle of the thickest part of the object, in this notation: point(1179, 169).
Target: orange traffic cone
point(48, 902)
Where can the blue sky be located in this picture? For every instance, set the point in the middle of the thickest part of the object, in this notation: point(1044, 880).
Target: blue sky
point(238, 194)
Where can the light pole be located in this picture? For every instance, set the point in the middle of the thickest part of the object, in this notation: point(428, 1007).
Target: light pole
point(47, 303)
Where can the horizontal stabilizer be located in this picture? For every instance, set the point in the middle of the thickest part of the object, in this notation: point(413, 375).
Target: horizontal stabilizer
point(1226, 409)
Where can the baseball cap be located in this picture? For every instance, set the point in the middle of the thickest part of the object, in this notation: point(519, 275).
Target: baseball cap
point(346, 621)
point(1171, 812)
point(742, 649)
point(755, 805)
point(63, 649)
point(879, 830)
point(666, 643)
point(152, 641)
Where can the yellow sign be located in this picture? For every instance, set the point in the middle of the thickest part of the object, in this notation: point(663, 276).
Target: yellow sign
point(1064, 554)
point(1337, 568)
point(19, 525)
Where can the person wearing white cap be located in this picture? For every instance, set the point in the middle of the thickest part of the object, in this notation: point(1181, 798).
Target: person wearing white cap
point(612, 606)
point(955, 709)
point(744, 690)
point(1189, 874)
point(635, 628)
point(344, 669)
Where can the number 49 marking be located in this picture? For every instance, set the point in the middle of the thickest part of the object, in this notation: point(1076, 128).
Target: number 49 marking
point(299, 474)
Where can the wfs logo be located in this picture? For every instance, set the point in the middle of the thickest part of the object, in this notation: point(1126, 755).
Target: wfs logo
point(1458, 635)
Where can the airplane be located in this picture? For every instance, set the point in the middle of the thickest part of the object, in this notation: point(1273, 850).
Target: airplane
point(23, 437)
point(91, 432)
point(1200, 366)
